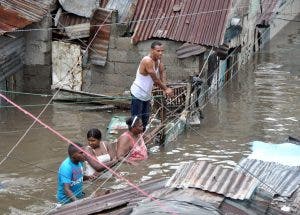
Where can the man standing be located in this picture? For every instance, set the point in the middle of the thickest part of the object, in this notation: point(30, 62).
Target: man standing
point(149, 72)
point(70, 176)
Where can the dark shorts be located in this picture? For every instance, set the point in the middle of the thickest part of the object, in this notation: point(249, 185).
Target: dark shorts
point(141, 109)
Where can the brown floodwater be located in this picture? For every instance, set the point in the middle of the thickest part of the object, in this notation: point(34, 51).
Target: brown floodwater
point(262, 102)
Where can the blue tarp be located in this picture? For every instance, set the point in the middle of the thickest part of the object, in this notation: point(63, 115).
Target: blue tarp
point(284, 153)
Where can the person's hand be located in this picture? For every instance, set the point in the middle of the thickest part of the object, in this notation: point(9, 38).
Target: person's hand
point(169, 92)
point(94, 176)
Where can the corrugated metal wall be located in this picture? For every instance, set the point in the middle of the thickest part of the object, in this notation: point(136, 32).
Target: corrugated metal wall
point(12, 55)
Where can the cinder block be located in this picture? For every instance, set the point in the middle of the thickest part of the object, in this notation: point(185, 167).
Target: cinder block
point(128, 69)
point(37, 78)
point(124, 43)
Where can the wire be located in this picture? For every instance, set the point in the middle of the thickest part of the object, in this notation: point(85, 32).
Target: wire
point(25, 93)
point(143, 20)
point(44, 109)
point(87, 154)
point(289, 20)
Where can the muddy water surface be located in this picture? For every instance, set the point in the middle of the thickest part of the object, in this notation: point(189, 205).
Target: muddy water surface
point(261, 103)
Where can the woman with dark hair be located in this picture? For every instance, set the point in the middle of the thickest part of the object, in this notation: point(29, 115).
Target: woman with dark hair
point(131, 144)
point(100, 150)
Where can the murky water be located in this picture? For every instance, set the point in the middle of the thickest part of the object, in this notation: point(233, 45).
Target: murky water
point(261, 103)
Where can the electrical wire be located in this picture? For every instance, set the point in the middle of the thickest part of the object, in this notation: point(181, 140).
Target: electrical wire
point(145, 20)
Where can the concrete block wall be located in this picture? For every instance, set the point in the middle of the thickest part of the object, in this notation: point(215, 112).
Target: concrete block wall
point(37, 63)
point(287, 11)
point(122, 63)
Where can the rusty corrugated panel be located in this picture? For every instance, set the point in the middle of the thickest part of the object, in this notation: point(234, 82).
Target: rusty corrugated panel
point(125, 9)
point(111, 201)
point(74, 26)
point(277, 178)
point(195, 21)
point(15, 14)
point(268, 10)
point(100, 33)
point(212, 178)
point(12, 55)
point(188, 49)
point(80, 7)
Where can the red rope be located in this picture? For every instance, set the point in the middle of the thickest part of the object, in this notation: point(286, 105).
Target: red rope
point(89, 155)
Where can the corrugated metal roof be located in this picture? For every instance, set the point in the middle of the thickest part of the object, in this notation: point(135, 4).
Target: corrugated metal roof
point(188, 49)
point(99, 46)
point(74, 26)
point(111, 201)
point(269, 8)
point(80, 7)
point(195, 21)
point(12, 55)
point(277, 178)
point(125, 9)
point(207, 176)
point(15, 14)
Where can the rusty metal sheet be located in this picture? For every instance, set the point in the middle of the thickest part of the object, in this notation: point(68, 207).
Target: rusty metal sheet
point(100, 34)
point(111, 201)
point(12, 55)
point(195, 21)
point(276, 178)
point(125, 9)
point(188, 49)
point(79, 7)
point(74, 26)
point(212, 178)
point(16, 14)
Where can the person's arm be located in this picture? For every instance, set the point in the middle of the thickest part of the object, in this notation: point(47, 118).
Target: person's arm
point(92, 160)
point(123, 147)
point(69, 192)
point(111, 149)
point(148, 64)
point(162, 73)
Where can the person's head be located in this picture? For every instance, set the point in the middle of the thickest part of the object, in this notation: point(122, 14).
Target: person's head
point(94, 137)
point(156, 50)
point(75, 154)
point(135, 124)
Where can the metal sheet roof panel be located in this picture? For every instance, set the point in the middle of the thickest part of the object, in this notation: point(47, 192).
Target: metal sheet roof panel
point(212, 178)
point(125, 9)
point(74, 26)
point(276, 178)
point(15, 14)
point(195, 21)
point(100, 36)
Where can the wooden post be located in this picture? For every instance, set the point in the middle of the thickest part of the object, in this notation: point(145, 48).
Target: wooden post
point(163, 118)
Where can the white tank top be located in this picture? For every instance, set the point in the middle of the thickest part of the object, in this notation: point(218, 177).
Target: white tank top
point(89, 170)
point(143, 84)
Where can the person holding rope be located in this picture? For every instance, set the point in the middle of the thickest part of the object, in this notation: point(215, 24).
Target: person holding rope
point(149, 72)
point(131, 145)
point(70, 176)
point(101, 151)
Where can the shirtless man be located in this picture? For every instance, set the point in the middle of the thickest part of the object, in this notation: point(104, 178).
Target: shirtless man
point(149, 72)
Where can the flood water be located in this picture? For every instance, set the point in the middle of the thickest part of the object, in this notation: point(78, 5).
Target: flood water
point(261, 103)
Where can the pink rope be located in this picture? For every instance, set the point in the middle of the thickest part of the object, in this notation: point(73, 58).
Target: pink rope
point(86, 153)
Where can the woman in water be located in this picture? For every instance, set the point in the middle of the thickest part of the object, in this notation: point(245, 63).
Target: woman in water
point(100, 150)
point(131, 144)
